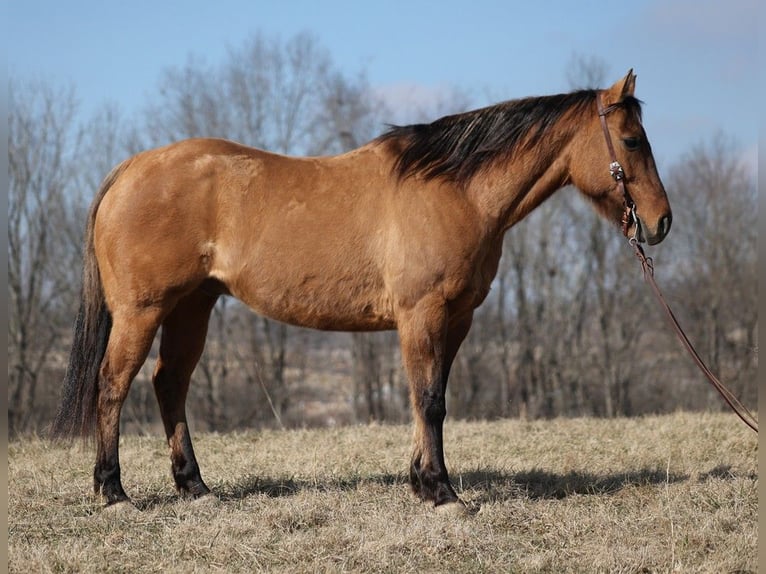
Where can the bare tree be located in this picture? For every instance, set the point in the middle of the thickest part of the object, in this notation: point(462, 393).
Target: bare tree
point(715, 250)
point(42, 284)
point(586, 72)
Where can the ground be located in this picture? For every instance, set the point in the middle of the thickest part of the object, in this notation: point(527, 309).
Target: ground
point(672, 493)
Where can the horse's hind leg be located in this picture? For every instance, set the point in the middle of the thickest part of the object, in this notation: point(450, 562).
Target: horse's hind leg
point(181, 345)
point(129, 341)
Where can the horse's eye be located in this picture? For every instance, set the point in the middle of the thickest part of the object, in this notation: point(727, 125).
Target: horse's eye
point(631, 143)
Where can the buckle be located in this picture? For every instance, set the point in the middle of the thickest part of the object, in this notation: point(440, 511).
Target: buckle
point(616, 171)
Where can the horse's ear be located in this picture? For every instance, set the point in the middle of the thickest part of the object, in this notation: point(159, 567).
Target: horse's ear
point(622, 88)
point(629, 87)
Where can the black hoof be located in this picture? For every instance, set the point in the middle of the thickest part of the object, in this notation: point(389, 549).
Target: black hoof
point(106, 483)
point(431, 486)
point(189, 481)
point(193, 489)
point(112, 495)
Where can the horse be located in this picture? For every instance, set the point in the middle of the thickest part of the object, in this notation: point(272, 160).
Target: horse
point(404, 232)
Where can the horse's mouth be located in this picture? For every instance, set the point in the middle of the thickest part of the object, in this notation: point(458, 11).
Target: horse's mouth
point(635, 230)
point(640, 232)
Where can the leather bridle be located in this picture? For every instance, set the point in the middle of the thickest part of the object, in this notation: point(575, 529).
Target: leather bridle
point(629, 216)
point(618, 173)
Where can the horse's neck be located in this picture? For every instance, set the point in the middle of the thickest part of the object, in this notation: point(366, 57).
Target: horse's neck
point(508, 191)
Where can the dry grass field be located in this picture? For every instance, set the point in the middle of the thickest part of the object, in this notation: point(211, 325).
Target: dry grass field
point(657, 494)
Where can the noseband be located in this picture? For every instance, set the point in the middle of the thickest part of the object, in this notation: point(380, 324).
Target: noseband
point(618, 174)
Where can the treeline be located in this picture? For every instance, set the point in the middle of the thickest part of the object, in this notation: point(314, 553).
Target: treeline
point(568, 330)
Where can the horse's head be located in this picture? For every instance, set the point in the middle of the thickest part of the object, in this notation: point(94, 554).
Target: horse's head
point(616, 117)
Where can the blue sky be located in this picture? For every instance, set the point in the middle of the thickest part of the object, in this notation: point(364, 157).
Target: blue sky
point(696, 61)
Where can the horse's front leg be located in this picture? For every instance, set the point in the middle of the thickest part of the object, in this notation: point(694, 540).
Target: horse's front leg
point(428, 346)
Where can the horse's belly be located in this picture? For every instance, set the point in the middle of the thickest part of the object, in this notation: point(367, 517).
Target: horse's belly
point(308, 264)
point(339, 303)
point(309, 312)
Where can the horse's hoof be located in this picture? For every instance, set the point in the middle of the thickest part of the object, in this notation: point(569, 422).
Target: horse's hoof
point(457, 508)
point(121, 508)
point(205, 500)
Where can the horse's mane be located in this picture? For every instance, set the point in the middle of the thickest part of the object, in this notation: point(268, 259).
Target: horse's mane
point(456, 147)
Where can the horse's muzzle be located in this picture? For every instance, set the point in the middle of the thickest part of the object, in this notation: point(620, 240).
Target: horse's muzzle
point(662, 230)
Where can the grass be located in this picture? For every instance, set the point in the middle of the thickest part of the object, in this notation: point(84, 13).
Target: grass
point(658, 494)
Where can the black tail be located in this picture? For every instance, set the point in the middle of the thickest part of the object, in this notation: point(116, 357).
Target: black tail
point(76, 415)
point(77, 411)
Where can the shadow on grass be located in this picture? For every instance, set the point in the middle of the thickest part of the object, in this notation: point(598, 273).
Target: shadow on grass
point(490, 485)
point(249, 485)
point(724, 472)
point(274, 487)
point(539, 484)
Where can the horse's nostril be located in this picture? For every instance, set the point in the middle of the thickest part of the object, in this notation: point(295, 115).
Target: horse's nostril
point(664, 227)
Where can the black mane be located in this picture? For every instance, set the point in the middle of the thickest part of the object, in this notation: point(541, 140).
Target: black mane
point(456, 147)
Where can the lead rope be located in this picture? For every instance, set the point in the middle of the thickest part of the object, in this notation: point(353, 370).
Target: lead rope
point(734, 403)
point(615, 169)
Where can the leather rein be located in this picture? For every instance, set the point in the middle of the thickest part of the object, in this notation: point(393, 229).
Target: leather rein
point(647, 265)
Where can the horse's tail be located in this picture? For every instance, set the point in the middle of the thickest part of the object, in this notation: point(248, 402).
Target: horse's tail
point(76, 414)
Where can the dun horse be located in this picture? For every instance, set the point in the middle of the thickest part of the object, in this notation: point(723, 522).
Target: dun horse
point(402, 233)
